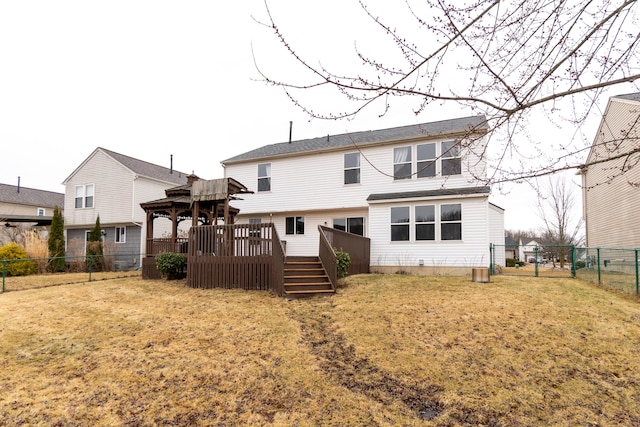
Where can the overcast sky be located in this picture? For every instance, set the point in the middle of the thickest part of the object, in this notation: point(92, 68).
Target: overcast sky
point(150, 79)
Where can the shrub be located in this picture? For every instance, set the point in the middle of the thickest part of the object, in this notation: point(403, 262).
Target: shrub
point(13, 251)
point(344, 261)
point(56, 242)
point(580, 264)
point(171, 265)
point(511, 262)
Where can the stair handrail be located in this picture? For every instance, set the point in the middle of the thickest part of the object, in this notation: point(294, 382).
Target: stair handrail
point(278, 256)
point(328, 257)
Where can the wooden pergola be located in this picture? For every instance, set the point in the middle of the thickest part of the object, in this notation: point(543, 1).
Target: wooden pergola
point(204, 202)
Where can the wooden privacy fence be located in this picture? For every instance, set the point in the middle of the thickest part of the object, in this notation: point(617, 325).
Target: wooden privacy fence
point(358, 248)
point(246, 256)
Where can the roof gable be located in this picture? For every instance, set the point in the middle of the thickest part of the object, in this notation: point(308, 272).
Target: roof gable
point(633, 97)
point(138, 167)
point(473, 124)
point(30, 196)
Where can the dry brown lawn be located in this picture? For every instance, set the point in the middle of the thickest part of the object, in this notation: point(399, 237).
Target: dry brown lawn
point(385, 350)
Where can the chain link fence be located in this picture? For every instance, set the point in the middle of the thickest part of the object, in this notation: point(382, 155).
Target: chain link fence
point(615, 268)
point(32, 273)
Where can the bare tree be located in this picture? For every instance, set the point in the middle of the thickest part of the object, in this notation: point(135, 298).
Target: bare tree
point(556, 206)
point(512, 61)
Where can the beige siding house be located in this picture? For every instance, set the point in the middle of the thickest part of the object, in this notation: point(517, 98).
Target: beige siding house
point(611, 179)
point(28, 206)
point(416, 191)
point(112, 186)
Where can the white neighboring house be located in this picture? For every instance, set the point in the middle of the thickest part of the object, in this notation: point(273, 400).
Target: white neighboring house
point(528, 251)
point(611, 194)
point(423, 205)
point(112, 186)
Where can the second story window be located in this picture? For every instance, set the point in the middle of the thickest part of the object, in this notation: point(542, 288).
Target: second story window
point(451, 162)
point(84, 196)
point(402, 163)
point(264, 177)
point(352, 168)
point(41, 212)
point(426, 160)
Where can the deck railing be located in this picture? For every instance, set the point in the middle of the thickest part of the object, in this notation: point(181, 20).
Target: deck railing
point(246, 256)
point(328, 257)
point(158, 245)
point(358, 247)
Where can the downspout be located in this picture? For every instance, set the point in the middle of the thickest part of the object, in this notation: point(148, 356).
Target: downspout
point(143, 238)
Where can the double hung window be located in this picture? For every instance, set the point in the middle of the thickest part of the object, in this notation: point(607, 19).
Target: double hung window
point(402, 163)
point(400, 224)
point(451, 222)
point(264, 177)
point(352, 168)
point(451, 162)
point(84, 196)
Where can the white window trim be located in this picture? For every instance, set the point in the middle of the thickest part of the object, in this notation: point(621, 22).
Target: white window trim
point(267, 176)
point(84, 196)
point(117, 234)
point(345, 169)
point(43, 210)
point(437, 223)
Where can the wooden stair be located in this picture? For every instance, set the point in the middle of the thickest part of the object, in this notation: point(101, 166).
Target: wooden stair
point(305, 276)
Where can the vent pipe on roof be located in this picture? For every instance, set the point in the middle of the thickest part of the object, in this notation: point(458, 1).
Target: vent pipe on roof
point(18, 184)
point(290, 130)
point(171, 164)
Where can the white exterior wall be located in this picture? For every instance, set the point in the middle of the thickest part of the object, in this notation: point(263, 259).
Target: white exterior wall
point(316, 181)
point(496, 234)
point(610, 203)
point(307, 244)
point(312, 185)
point(471, 251)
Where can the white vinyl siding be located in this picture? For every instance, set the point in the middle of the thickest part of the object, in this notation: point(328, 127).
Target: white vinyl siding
point(472, 250)
point(322, 186)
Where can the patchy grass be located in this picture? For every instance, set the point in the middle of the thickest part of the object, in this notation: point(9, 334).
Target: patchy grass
point(385, 350)
point(20, 283)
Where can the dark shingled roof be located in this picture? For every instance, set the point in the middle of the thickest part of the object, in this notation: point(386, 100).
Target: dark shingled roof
point(147, 169)
point(371, 137)
point(30, 197)
point(630, 96)
point(429, 193)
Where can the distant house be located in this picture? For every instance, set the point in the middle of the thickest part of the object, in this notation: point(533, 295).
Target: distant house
point(112, 186)
point(532, 249)
point(611, 180)
point(22, 205)
point(416, 191)
point(510, 247)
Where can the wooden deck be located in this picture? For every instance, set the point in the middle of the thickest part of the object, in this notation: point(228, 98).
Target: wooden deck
point(252, 257)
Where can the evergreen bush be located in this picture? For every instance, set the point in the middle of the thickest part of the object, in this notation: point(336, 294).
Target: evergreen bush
point(56, 242)
point(13, 251)
point(171, 265)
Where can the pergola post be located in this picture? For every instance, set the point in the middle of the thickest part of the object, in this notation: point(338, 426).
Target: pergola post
point(149, 243)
